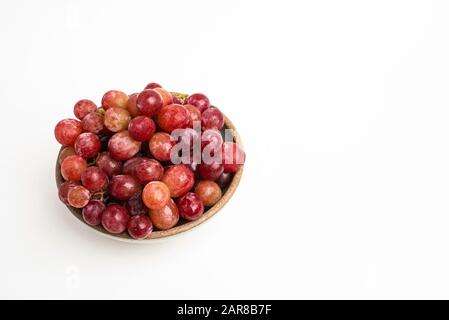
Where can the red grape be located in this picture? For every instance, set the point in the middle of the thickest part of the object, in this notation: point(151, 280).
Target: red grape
point(67, 151)
point(210, 171)
point(166, 96)
point(233, 157)
point(209, 192)
point(93, 122)
point(190, 207)
point(179, 179)
point(156, 195)
point(149, 170)
point(115, 219)
point(84, 107)
point(66, 131)
point(116, 119)
point(114, 99)
point(132, 105)
point(149, 102)
point(153, 85)
point(124, 187)
point(109, 166)
point(199, 100)
point(122, 147)
point(165, 218)
point(211, 142)
point(94, 179)
point(194, 114)
point(93, 212)
point(129, 167)
point(64, 189)
point(176, 99)
point(212, 118)
point(87, 145)
point(224, 180)
point(73, 167)
point(78, 197)
point(172, 117)
point(140, 227)
point(142, 128)
point(135, 205)
point(160, 146)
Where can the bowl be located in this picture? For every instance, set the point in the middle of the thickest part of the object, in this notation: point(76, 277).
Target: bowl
point(182, 226)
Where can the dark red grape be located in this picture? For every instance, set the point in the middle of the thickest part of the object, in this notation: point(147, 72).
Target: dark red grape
point(114, 99)
point(122, 146)
point(93, 212)
point(190, 207)
point(66, 131)
point(142, 128)
point(73, 167)
point(78, 197)
point(93, 122)
point(160, 146)
point(233, 157)
point(87, 145)
point(174, 116)
point(153, 85)
point(156, 195)
point(179, 179)
point(115, 219)
point(149, 102)
point(176, 99)
point(129, 167)
point(94, 179)
point(140, 227)
point(212, 118)
point(165, 218)
point(149, 170)
point(83, 108)
point(64, 189)
point(109, 166)
point(210, 171)
point(224, 180)
point(124, 187)
point(199, 100)
point(135, 205)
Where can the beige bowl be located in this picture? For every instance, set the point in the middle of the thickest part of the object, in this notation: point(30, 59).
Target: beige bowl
point(180, 228)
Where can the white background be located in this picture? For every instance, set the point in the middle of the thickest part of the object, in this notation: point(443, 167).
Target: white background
point(343, 107)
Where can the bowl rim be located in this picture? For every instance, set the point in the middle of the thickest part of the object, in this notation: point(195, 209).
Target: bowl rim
point(179, 229)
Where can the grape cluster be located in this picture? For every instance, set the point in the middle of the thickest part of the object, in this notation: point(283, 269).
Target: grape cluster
point(121, 165)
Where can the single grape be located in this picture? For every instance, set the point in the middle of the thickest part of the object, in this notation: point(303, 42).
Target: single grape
point(87, 145)
point(233, 157)
point(116, 119)
point(135, 205)
point(73, 167)
point(93, 122)
point(124, 187)
point(93, 212)
point(210, 171)
point(209, 192)
point(83, 108)
point(160, 146)
point(156, 195)
point(67, 151)
point(132, 105)
point(199, 100)
point(66, 131)
point(174, 116)
point(129, 167)
point(122, 146)
point(115, 219)
point(149, 102)
point(142, 128)
point(109, 166)
point(190, 207)
point(64, 189)
point(114, 99)
point(78, 197)
point(194, 115)
point(153, 85)
point(165, 218)
point(224, 180)
point(176, 99)
point(148, 170)
point(212, 118)
point(140, 227)
point(166, 96)
point(179, 179)
point(94, 179)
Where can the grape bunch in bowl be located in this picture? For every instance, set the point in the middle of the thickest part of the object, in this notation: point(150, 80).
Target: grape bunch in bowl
point(147, 165)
